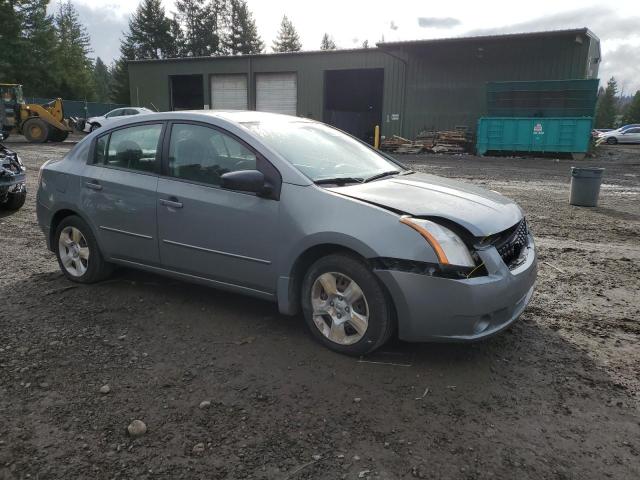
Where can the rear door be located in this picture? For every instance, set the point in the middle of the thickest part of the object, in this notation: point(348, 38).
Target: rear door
point(208, 231)
point(119, 192)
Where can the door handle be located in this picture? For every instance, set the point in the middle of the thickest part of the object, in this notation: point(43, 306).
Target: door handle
point(93, 185)
point(170, 203)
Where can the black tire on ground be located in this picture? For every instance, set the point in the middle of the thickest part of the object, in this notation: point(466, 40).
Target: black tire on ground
point(381, 312)
point(6, 134)
point(36, 130)
point(14, 201)
point(94, 127)
point(97, 268)
point(612, 140)
point(56, 135)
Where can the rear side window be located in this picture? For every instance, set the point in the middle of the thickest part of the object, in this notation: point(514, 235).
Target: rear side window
point(203, 154)
point(134, 148)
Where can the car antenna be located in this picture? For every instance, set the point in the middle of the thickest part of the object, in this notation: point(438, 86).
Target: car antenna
point(156, 108)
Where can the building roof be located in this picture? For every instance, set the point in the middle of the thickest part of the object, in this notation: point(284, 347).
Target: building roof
point(478, 38)
point(382, 46)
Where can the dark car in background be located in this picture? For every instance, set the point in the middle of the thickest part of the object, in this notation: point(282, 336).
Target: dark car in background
point(13, 179)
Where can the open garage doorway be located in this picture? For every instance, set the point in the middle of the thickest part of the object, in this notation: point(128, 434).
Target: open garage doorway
point(187, 92)
point(353, 100)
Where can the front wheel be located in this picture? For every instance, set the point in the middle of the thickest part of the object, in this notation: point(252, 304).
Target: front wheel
point(15, 200)
point(612, 140)
point(345, 306)
point(36, 130)
point(94, 127)
point(78, 254)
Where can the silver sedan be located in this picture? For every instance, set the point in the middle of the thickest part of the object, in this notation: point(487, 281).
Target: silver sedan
point(294, 212)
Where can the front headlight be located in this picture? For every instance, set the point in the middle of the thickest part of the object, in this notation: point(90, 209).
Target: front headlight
point(449, 248)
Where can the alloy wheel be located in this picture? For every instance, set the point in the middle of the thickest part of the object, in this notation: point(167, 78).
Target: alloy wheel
point(340, 309)
point(74, 251)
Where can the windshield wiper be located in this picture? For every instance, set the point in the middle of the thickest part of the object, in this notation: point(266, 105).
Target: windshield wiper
point(382, 175)
point(338, 180)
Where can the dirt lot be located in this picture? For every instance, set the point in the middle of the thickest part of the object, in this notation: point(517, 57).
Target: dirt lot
point(556, 396)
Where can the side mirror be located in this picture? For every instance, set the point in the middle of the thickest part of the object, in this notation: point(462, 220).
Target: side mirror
point(244, 181)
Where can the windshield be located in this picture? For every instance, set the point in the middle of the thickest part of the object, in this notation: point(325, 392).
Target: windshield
point(322, 152)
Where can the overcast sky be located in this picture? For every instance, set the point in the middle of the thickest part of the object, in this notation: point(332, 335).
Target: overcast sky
point(351, 22)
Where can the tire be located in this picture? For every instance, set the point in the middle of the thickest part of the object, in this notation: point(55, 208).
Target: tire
point(6, 134)
point(94, 127)
point(36, 130)
point(612, 140)
point(91, 267)
point(56, 135)
point(353, 337)
point(15, 201)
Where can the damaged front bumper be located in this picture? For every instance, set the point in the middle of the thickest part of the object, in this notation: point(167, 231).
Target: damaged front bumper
point(431, 308)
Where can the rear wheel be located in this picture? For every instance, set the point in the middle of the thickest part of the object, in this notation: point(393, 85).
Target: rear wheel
point(36, 130)
point(345, 306)
point(612, 140)
point(78, 254)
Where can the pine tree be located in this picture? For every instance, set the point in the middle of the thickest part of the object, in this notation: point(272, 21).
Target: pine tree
point(177, 47)
point(243, 37)
point(606, 109)
point(150, 30)
point(632, 115)
point(10, 41)
point(76, 80)
point(151, 35)
point(288, 39)
point(35, 60)
point(327, 43)
point(203, 23)
point(102, 81)
point(120, 90)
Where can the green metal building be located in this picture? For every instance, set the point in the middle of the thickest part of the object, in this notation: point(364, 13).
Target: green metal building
point(404, 87)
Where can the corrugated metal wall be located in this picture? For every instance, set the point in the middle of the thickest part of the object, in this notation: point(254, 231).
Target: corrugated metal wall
point(433, 85)
point(150, 81)
point(446, 86)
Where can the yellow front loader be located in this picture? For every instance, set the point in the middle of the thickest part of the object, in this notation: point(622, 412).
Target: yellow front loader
point(38, 123)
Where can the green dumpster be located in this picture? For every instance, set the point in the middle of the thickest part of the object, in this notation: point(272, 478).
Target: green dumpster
point(536, 135)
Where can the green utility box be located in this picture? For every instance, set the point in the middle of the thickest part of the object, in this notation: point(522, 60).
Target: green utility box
point(517, 134)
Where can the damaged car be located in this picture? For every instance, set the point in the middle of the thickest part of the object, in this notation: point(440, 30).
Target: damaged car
point(295, 212)
point(13, 180)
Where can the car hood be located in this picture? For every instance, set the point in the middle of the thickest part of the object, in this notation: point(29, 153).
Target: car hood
point(480, 211)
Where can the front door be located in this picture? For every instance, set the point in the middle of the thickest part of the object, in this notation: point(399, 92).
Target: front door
point(207, 231)
point(119, 192)
point(631, 136)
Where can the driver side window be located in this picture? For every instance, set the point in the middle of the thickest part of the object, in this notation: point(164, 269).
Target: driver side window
point(203, 154)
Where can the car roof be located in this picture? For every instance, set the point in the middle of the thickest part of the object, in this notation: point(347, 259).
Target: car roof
point(245, 116)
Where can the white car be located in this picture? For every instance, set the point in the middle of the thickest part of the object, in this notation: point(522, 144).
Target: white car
point(628, 134)
point(94, 123)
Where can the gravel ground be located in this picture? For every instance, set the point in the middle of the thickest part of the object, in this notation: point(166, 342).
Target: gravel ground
point(229, 389)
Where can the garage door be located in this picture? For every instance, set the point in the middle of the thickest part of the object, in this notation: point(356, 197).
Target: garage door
point(229, 92)
point(277, 93)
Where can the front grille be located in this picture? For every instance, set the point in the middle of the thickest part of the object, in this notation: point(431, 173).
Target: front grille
point(511, 247)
